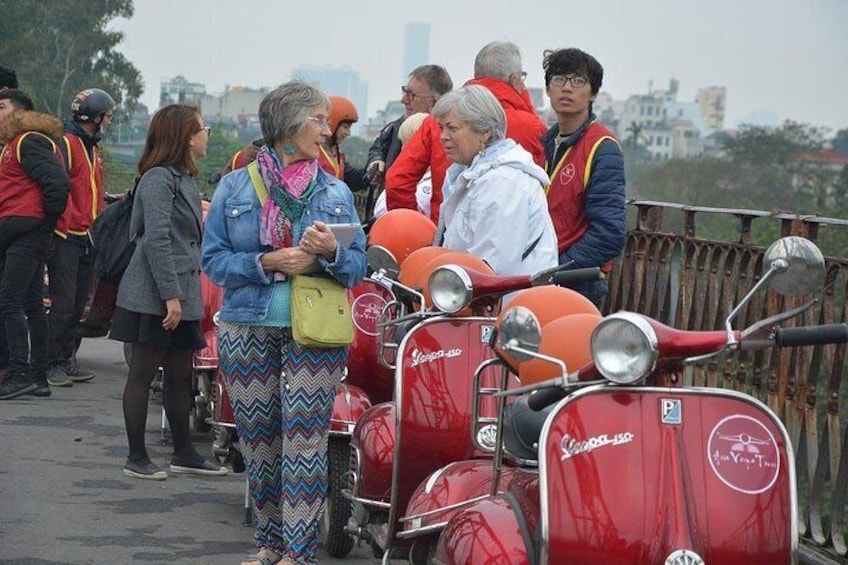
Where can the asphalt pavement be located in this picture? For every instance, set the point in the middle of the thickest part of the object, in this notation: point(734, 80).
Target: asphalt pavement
point(65, 500)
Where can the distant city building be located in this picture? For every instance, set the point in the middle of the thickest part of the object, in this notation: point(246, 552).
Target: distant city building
point(666, 127)
point(711, 102)
point(178, 90)
point(339, 81)
point(237, 105)
point(537, 97)
point(393, 110)
point(416, 47)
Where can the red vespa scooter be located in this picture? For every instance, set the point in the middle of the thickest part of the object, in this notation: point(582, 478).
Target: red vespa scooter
point(631, 466)
point(435, 419)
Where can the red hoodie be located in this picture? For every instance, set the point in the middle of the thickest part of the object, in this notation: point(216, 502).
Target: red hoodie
point(425, 150)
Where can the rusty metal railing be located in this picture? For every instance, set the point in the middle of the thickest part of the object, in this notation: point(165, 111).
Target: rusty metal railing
point(689, 280)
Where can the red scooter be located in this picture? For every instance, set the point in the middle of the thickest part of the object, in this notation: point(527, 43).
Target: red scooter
point(620, 462)
point(442, 411)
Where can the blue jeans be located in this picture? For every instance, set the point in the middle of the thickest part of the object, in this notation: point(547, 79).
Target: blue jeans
point(21, 299)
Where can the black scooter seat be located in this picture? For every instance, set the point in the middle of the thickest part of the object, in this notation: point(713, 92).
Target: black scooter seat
point(522, 428)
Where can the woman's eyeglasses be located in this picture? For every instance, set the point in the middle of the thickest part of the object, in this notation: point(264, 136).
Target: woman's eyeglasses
point(207, 129)
point(322, 123)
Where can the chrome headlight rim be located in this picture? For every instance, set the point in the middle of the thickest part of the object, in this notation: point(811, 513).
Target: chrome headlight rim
point(444, 282)
point(649, 340)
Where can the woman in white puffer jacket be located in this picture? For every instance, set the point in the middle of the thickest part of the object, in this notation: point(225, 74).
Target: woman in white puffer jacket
point(495, 206)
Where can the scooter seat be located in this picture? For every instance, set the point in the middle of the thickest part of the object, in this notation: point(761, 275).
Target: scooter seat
point(522, 428)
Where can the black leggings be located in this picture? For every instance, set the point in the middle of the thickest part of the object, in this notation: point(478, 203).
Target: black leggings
point(176, 396)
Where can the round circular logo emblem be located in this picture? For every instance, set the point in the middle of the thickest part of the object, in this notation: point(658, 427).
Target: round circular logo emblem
point(744, 454)
point(365, 311)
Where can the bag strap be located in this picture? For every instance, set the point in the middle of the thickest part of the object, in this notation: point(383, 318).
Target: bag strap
point(258, 183)
point(530, 249)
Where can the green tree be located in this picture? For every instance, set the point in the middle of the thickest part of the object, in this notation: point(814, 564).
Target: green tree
point(223, 144)
point(355, 150)
point(61, 47)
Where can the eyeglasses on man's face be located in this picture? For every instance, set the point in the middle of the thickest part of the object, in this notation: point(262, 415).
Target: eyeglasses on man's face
point(411, 95)
point(322, 123)
point(576, 81)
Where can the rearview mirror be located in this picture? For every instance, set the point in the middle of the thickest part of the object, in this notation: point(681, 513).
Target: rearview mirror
point(794, 264)
point(519, 330)
point(381, 259)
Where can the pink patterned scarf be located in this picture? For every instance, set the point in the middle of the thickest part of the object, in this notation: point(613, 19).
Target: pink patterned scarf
point(289, 189)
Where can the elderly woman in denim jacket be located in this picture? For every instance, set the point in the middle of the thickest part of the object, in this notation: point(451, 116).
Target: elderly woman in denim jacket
point(281, 391)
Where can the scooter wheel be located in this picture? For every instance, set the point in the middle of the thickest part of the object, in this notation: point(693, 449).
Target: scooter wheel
point(335, 539)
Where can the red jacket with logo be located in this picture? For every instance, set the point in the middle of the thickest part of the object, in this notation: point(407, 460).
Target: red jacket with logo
point(425, 149)
point(586, 195)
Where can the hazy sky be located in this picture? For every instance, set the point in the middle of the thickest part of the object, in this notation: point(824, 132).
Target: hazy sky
point(786, 57)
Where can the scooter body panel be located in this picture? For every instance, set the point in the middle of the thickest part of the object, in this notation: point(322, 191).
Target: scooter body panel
point(364, 370)
point(433, 392)
point(489, 532)
point(373, 444)
point(207, 358)
point(631, 475)
point(222, 409)
point(349, 404)
point(443, 493)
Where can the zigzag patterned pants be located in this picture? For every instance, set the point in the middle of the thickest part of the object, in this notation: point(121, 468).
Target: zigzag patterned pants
point(282, 397)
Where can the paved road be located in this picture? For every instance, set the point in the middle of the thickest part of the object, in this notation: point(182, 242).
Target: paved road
point(64, 499)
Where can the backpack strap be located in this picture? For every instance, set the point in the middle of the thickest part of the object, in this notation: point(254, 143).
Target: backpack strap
point(258, 183)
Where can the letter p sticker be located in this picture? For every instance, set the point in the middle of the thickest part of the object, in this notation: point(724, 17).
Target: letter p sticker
point(671, 411)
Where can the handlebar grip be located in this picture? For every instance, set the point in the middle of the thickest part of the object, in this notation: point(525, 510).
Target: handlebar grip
point(811, 335)
point(543, 398)
point(576, 276)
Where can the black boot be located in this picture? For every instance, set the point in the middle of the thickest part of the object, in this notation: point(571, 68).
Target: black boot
point(15, 384)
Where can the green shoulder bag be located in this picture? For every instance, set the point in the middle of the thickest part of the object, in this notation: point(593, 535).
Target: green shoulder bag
point(320, 312)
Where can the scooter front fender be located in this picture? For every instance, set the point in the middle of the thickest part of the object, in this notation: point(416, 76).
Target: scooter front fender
point(373, 445)
point(447, 491)
point(350, 403)
point(491, 531)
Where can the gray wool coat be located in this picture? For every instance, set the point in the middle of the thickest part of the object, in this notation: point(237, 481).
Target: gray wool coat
point(166, 261)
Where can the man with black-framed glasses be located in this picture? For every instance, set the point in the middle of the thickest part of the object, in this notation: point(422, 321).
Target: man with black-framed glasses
point(497, 67)
point(586, 195)
point(426, 84)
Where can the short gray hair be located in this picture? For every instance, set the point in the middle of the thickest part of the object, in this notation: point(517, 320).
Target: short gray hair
point(478, 107)
point(283, 111)
point(498, 59)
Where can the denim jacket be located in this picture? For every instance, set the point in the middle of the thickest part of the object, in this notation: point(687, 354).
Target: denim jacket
point(231, 247)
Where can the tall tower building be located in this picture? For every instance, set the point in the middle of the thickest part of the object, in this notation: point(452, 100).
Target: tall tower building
point(416, 46)
point(711, 102)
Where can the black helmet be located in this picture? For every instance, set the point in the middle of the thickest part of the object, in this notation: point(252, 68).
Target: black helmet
point(91, 103)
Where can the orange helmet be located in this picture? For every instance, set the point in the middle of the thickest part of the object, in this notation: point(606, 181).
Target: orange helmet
point(547, 303)
point(341, 110)
point(466, 260)
point(402, 231)
point(413, 265)
point(566, 338)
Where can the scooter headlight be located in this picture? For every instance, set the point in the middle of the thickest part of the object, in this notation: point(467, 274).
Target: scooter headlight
point(624, 348)
point(450, 288)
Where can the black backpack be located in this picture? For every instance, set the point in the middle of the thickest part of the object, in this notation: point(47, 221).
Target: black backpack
point(110, 235)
